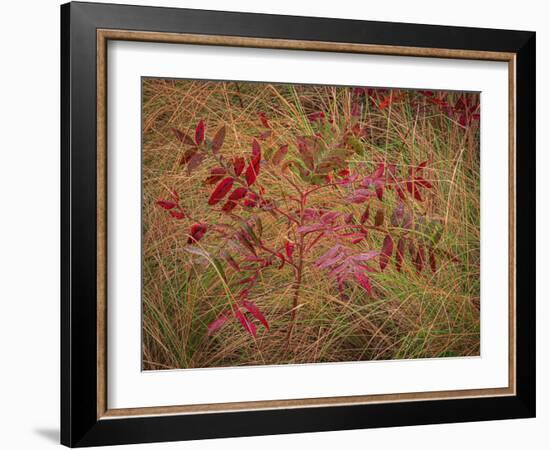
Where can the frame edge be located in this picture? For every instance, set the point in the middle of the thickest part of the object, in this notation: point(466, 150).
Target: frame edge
point(76, 427)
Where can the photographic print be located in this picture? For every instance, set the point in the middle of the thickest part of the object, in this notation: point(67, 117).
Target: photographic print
point(293, 224)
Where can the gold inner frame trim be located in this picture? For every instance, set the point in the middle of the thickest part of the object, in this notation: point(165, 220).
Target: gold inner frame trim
point(103, 36)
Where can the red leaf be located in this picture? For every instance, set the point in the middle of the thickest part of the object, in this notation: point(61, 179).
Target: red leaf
point(379, 171)
point(312, 228)
point(422, 165)
point(399, 254)
point(416, 192)
point(217, 142)
point(289, 249)
point(196, 232)
point(424, 183)
point(166, 204)
point(263, 119)
point(229, 206)
point(182, 137)
point(221, 190)
point(250, 174)
point(330, 257)
point(433, 265)
point(195, 161)
point(365, 256)
point(238, 165)
point(439, 102)
point(217, 324)
point(199, 132)
point(279, 154)
point(385, 103)
point(330, 216)
point(238, 193)
point(186, 157)
point(377, 180)
point(253, 309)
point(254, 167)
point(344, 172)
point(363, 281)
point(386, 252)
point(177, 214)
point(460, 104)
point(247, 325)
point(265, 135)
point(216, 174)
point(348, 181)
point(360, 196)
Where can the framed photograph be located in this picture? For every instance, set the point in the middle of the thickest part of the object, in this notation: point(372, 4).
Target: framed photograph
point(276, 224)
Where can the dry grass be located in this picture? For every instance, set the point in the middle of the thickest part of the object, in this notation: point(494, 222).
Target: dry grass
point(410, 315)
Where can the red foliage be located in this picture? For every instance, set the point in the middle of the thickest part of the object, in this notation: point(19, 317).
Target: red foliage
point(217, 142)
point(386, 252)
point(221, 190)
point(177, 214)
point(238, 193)
point(218, 323)
point(289, 249)
point(416, 181)
point(253, 168)
point(182, 137)
point(263, 119)
point(238, 165)
point(166, 204)
point(199, 132)
point(253, 309)
point(216, 174)
point(247, 324)
point(196, 232)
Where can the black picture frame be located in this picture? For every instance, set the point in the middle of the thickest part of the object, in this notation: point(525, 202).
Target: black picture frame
point(80, 425)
